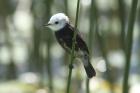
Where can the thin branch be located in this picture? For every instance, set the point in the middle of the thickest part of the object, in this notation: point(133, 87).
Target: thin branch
point(73, 47)
point(103, 50)
point(90, 39)
point(48, 43)
point(122, 20)
point(129, 43)
point(66, 6)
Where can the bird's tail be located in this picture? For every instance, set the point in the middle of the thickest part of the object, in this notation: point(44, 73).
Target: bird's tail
point(90, 71)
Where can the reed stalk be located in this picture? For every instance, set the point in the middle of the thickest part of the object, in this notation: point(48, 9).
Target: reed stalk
point(73, 48)
point(129, 42)
point(90, 39)
point(48, 44)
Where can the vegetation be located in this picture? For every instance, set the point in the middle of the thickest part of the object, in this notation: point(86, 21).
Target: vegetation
point(31, 61)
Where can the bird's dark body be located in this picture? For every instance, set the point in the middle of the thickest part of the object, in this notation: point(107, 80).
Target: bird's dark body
point(65, 37)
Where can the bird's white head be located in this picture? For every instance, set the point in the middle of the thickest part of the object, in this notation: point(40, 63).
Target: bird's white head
point(58, 21)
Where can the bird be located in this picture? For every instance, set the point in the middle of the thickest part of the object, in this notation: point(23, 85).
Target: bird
point(59, 23)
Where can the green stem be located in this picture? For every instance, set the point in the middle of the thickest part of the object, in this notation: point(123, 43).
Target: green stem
point(90, 39)
point(122, 20)
point(87, 85)
point(102, 45)
point(73, 47)
point(48, 44)
point(49, 66)
point(104, 54)
point(129, 38)
point(66, 6)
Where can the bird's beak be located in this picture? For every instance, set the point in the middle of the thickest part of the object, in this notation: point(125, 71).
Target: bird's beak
point(47, 25)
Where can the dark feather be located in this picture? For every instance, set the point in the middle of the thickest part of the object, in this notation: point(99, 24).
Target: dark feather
point(90, 70)
point(64, 37)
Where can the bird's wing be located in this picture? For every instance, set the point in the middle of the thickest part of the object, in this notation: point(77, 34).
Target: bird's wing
point(65, 36)
point(80, 43)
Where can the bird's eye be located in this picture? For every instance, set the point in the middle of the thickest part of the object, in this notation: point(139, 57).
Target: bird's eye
point(56, 22)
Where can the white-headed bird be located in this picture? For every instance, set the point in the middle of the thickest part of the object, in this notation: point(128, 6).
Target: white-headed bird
point(64, 33)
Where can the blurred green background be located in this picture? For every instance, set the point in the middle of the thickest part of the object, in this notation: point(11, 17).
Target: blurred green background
point(31, 61)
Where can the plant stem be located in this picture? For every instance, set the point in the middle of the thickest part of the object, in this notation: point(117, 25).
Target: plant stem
point(73, 47)
point(48, 44)
point(122, 20)
point(87, 85)
point(66, 6)
point(90, 39)
point(129, 38)
point(104, 54)
point(102, 45)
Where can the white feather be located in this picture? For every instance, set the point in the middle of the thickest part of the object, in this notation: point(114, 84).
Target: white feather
point(62, 20)
point(101, 66)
